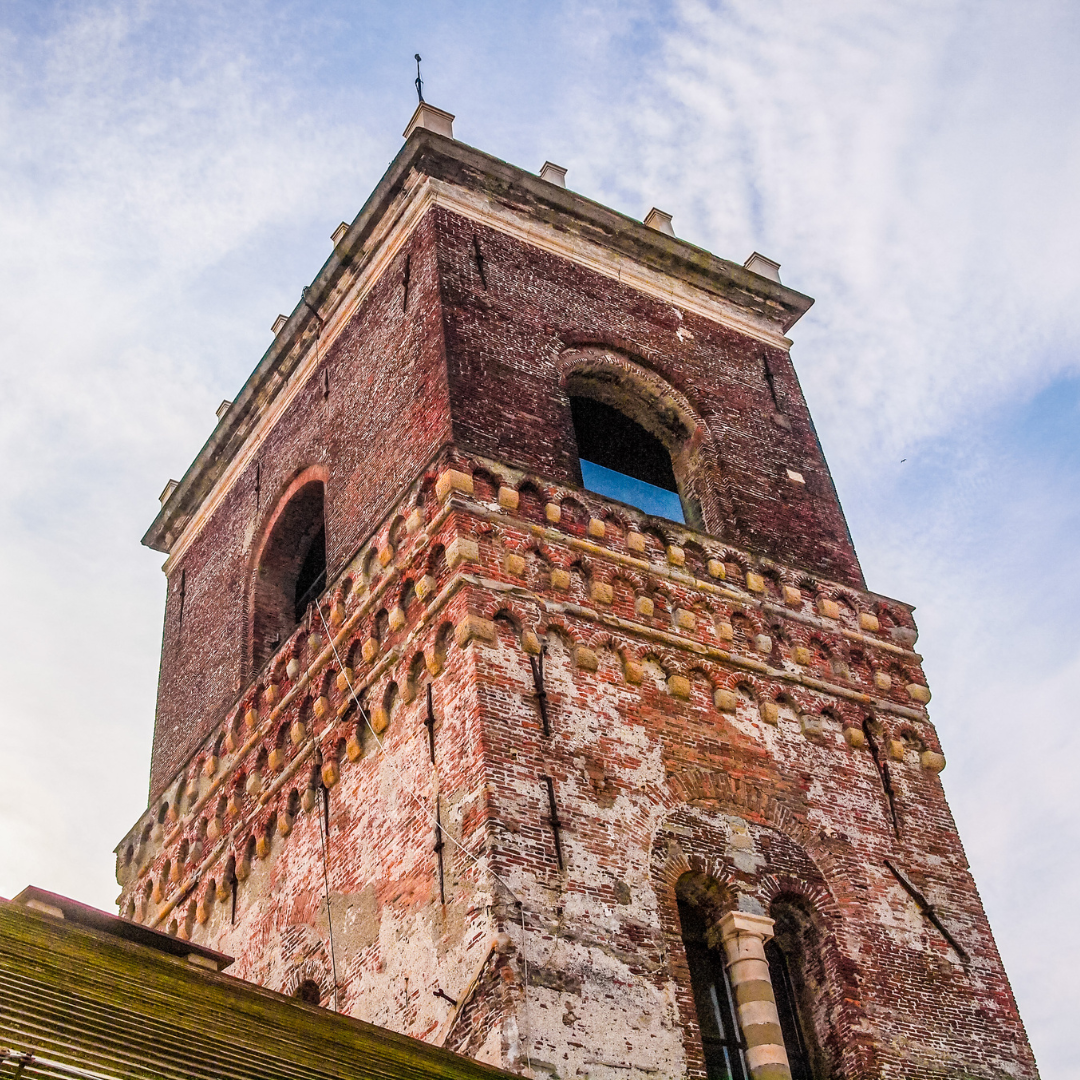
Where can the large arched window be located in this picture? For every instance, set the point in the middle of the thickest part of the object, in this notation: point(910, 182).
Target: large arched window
point(291, 570)
point(721, 1038)
point(639, 440)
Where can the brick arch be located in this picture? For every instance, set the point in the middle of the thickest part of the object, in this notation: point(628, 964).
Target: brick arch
point(707, 672)
point(540, 550)
point(315, 969)
point(611, 376)
point(270, 570)
point(611, 515)
point(669, 663)
point(706, 786)
point(636, 582)
point(605, 640)
point(612, 365)
point(557, 625)
point(511, 610)
point(689, 848)
point(582, 563)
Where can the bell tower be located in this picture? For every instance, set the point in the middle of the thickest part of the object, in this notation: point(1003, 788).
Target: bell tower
point(520, 688)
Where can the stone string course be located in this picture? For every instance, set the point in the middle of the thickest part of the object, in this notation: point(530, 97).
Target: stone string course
point(524, 557)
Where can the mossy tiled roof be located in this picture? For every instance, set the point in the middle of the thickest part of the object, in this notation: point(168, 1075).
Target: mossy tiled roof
point(87, 1001)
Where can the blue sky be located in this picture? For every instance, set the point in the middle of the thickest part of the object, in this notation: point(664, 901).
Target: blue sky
point(170, 174)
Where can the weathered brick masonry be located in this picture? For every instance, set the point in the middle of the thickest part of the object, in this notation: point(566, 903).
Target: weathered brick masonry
point(733, 721)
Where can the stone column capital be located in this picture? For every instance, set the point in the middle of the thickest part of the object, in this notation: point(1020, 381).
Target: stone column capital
point(735, 923)
point(744, 936)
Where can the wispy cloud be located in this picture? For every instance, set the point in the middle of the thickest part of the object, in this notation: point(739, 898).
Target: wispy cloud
point(914, 167)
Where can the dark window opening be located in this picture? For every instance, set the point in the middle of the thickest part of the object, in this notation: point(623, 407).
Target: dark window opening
point(787, 1010)
point(721, 1039)
point(312, 577)
point(606, 437)
point(291, 572)
point(804, 996)
point(308, 992)
point(622, 460)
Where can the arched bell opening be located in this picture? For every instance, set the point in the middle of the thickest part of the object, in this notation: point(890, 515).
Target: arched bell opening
point(636, 443)
point(291, 570)
point(799, 985)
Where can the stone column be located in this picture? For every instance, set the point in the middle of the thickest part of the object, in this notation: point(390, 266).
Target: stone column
point(744, 936)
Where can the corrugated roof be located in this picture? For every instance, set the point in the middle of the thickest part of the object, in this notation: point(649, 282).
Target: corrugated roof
point(84, 1001)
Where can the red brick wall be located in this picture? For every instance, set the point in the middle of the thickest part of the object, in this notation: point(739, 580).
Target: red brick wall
point(502, 342)
point(650, 785)
point(657, 771)
point(384, 417)
point(386, 414)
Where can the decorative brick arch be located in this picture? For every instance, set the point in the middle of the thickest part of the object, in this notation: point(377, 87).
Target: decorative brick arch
point(578, 364)
point(270, 564)
point(690, 840)
point(609, 376)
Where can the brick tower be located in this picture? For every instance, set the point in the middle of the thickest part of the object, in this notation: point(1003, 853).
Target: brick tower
point(520, 689)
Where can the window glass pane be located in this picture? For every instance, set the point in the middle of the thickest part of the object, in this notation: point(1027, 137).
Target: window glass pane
point(615, 485)
point(607, 437)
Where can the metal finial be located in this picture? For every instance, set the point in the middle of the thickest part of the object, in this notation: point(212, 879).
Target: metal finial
point(419, 81)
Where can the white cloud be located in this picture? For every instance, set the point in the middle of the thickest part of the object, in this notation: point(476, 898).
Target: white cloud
point(914, 167)
point(880, 154)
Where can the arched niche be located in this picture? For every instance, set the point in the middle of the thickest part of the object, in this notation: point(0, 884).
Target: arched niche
point(289, 566)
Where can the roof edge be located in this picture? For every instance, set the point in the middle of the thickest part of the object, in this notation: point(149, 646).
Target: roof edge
point(53, 905)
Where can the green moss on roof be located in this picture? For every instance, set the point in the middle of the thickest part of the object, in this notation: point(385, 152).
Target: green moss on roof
point(99, 1003)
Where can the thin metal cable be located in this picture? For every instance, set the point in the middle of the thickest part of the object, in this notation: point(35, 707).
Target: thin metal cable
point(431, 818)
point(326, 889)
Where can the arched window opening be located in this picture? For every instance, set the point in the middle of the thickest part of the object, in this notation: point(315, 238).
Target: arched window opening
point(623, 461)
point(291, 571)
point(797, 973)
point(787, 1010)
point(308, 991)
point(721, 1037)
